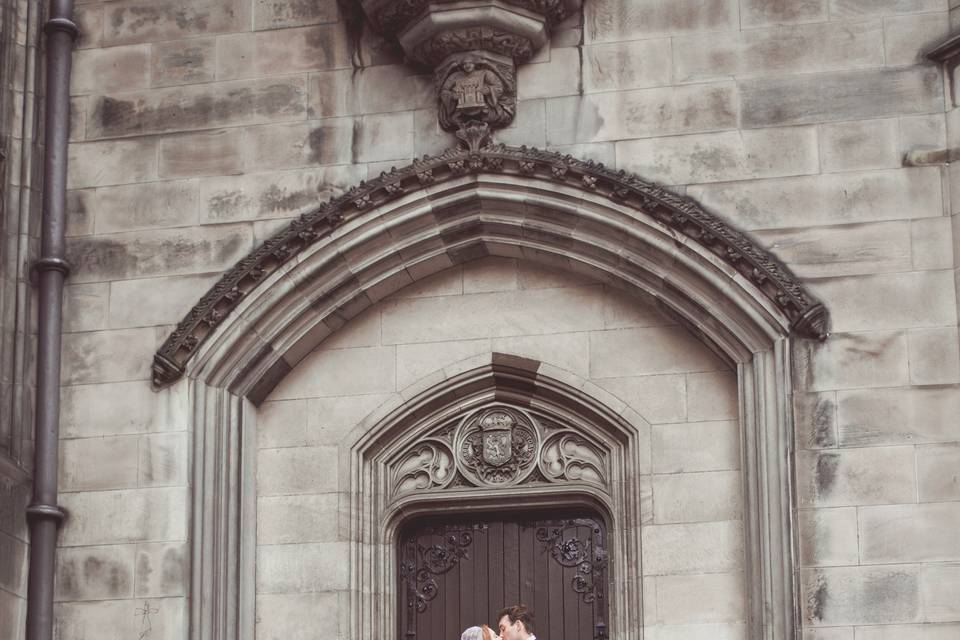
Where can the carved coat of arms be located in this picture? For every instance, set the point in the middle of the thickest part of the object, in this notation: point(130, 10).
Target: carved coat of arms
point(497, 430)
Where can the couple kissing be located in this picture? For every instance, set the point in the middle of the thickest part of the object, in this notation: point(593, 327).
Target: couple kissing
point(514, 623)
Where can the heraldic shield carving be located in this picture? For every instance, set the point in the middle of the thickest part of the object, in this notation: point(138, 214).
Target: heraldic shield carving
point(496, 447)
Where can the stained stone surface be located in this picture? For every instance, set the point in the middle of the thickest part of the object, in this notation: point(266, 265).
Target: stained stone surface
point(200, 126)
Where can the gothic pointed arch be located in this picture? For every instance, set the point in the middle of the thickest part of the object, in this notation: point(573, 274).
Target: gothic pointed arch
point(475, 199)
point(277, 304)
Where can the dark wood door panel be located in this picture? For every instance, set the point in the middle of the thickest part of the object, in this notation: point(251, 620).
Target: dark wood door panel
point(458, 574)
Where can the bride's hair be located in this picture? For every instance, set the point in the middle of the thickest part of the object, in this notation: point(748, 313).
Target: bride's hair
point(483, 632)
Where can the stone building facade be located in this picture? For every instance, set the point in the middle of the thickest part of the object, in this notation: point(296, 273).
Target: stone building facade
point(756, 481)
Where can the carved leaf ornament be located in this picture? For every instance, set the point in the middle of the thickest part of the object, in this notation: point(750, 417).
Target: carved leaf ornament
point(478, 155)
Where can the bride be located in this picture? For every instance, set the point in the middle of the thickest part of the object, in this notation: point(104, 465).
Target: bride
point(482, 632)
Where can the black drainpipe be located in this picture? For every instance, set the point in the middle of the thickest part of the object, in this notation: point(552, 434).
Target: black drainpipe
point(43, 513)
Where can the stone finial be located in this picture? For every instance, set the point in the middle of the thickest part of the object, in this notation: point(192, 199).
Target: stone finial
point(474, 48)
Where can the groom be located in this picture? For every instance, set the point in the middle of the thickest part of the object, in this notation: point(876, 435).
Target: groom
point(516, 623)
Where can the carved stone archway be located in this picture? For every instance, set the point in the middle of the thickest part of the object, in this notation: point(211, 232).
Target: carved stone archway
point(426, 456)
point(277, 304)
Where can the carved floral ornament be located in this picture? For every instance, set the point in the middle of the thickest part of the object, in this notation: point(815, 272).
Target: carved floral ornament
point(498, 446)
point(476, 155)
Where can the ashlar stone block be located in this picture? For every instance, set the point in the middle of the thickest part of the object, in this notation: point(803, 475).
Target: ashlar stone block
point(273, 195)
point(550, 77)
point(85, 307)
point(712, 396)
point(890, 301)
point(199, 106)
point(878, 475)
point(860, 595)
point(341, 372)
point(300, 144)
point(378, 89)
point(282, 423)
point(898, 416)
point(495, 314)
point(938, 472)
point(134, 303)
point(909, 632)
point(934, 356)
point(95, 573)
point(713, 597)
point(850, 360)
point(302, 568)
point(907, 37)
point(808, 48)
point(755, 13)
point(615, 21)
point(715, 631)
point(845, 95)
point(163, 459)
point(860, 146)
point(722, 157)
point(909, 533)
point(144, 206)
point(282, 51)
point(119, 408)
point(280, 616)
point(621, 66)
point(112, 69)
point(329, 420)
point(385, 136)
point(828, 537)
point(642, 113)
point(297, 470)
point(647, 351)
point(118, 619)
point(705, 547)
point(279, 14)
point(298, 519)
point(826, 199)
point(844, 250)
point(815, 420)
point(217, 153)
point(181, 62)
point(697, 497)
point(96, 164)
point(92, 464)
point(416, 361)
point(659, 399)
point(940, 592)
point(159, 252)
point(108, 356)
point(131, 515)
point(696, 446)
point(857, 8)
point(157, 20)
point(163, 569)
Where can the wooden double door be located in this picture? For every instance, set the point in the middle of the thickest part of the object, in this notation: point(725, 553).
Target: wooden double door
point(457, 574)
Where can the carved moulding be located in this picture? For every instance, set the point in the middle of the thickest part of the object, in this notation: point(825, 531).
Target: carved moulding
point(500, 446)
point(476, 155)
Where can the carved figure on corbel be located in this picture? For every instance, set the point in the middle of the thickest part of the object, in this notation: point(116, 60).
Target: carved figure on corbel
point(474, 89)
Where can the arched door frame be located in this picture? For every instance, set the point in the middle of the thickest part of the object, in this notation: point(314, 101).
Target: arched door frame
point(276, 305)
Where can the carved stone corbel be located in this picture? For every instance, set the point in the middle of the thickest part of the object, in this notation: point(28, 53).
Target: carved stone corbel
point(474, 48)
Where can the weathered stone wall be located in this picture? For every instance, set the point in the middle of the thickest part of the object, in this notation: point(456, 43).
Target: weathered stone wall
point(199, 127)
